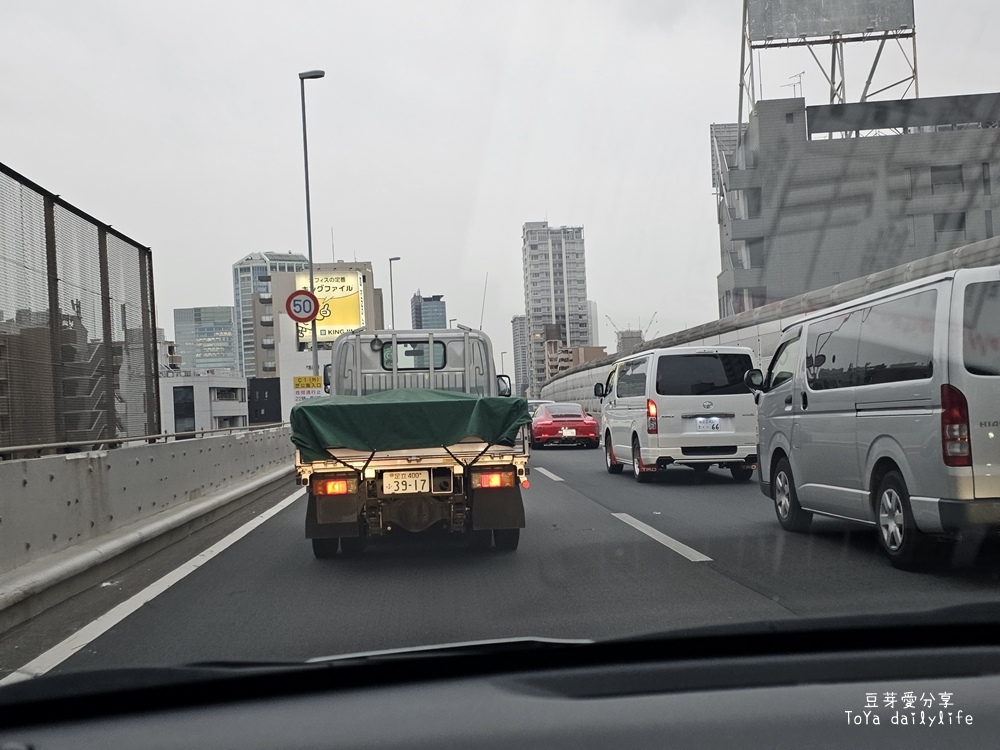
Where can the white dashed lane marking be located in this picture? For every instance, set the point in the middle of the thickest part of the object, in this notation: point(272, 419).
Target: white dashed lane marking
point(681, 549)
point(548, 473)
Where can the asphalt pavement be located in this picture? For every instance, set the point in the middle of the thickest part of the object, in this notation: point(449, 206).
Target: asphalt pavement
point(602, 557)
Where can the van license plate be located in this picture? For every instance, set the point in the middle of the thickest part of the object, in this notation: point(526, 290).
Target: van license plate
point(708, 424)
point(405, 482)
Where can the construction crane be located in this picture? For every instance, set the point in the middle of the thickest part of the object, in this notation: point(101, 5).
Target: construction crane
point(650, 325)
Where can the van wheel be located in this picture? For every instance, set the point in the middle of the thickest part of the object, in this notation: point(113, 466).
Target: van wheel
point(786, 501)
point(906, 546)
point(324, 549)
point(609, 457)
point(741, 475)
point(640, 476)
point(506, 539)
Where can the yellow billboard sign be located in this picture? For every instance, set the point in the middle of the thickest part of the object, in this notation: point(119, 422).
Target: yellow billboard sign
point(341, 297)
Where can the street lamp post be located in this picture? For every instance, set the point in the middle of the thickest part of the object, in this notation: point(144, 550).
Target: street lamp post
point(303, 77)
point(451, 320)
point(392, 298)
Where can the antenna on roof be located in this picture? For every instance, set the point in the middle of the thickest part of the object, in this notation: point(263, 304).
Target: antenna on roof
point(483, 311)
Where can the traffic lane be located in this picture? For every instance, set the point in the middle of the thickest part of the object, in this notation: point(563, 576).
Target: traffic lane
point(837, 567)
point(26, 641)
point(579, 573)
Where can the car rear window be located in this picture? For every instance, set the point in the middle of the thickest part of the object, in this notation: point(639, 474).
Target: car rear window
point(564, 410)
point(702, 374)
point(982, 328)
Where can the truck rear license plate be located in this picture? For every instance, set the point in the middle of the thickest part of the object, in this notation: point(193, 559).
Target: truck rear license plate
point(708, 424)
point(405, 482)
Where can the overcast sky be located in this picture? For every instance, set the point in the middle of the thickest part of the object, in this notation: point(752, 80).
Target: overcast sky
point(440, 128)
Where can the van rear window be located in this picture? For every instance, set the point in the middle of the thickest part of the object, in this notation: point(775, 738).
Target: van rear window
point(981, 345)
point(702, 374)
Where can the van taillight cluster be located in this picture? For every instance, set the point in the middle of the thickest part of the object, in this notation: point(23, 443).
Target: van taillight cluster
point(651, 427)
point(955, 446)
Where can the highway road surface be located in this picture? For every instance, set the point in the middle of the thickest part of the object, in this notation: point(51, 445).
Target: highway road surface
point(601, 557)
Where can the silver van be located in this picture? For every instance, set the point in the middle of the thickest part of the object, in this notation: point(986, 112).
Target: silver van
point(685, 405)
point(886, 411)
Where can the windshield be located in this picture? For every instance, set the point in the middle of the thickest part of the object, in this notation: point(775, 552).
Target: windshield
point(334, 327)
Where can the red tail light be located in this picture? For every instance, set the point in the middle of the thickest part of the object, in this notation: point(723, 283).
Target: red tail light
point(955, 446)
point(651, 427)
point(492, 479)
point(331, 487)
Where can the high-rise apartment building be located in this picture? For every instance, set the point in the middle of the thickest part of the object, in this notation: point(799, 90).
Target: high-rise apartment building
point(522, 353)
point(206, 339)
point(428, 312)
point(555, 292)
point(594, 323)
point(254, 309)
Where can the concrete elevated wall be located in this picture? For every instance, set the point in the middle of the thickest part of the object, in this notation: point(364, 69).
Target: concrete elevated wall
point(53, 503)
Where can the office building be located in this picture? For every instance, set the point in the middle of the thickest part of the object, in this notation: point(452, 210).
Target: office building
point(190, 402)
point(522, 354)
point(814, 196)
point(428, 312)
point(206, 339)
point(254, 309)
point(555, 293)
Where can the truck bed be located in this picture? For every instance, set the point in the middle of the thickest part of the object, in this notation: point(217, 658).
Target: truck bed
point(407, 421)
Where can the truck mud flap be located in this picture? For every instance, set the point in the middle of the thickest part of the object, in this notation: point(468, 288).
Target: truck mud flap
point(499, 508)
point(330, 517)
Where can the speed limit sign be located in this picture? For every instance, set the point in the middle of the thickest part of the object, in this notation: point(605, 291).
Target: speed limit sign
point(302, 306)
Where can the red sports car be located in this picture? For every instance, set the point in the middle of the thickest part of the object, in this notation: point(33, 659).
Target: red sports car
point(563, 424)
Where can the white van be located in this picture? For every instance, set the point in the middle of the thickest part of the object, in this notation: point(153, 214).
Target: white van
point(685, 405)
point(886, 410)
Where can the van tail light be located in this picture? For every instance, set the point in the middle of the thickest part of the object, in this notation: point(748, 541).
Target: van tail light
point(651, 416)
point(955, 446)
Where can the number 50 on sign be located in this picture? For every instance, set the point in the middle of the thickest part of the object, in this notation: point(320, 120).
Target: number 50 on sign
point(302, 306)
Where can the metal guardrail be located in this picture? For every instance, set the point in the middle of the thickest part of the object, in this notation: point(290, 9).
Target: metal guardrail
point(7, 452)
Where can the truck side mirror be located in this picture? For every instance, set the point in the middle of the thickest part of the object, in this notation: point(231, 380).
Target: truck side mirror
point(599, 390)
point(503, 385)
point(327, 372)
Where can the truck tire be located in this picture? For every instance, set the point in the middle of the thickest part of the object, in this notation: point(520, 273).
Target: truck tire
point(353, 546)
point(480, 539)
point(506, 540)
point(324, 549)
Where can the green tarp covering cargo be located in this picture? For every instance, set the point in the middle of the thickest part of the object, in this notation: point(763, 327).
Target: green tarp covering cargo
point(404, 419)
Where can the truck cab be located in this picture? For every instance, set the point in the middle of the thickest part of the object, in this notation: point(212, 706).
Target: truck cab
point(453, 359)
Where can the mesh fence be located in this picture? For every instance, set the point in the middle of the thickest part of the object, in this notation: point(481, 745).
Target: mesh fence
point(77, 327)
